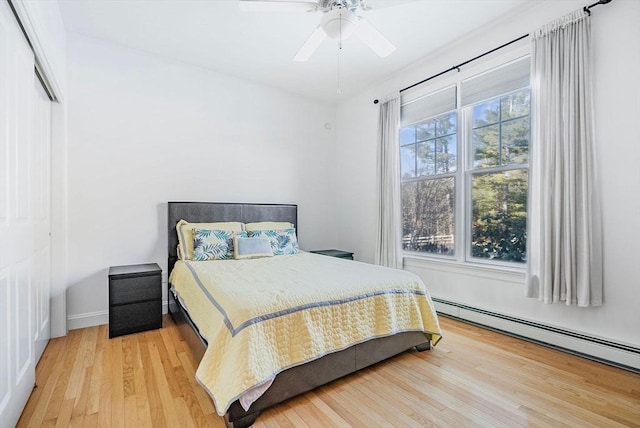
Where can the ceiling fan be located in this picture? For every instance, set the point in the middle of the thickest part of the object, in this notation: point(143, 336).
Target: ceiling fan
point(338, 22)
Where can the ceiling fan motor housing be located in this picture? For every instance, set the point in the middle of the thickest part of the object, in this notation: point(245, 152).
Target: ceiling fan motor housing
point(352, 5)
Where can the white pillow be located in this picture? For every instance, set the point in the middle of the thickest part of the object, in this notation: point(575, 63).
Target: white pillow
point(251, 248)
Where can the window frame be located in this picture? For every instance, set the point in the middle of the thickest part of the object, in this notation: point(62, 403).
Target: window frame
point(418, 179)
point(470, 171)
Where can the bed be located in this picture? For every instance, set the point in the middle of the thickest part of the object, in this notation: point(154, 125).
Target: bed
point(292, 379)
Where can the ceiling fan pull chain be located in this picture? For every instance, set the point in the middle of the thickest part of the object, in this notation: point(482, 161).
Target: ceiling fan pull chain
point(339, 91)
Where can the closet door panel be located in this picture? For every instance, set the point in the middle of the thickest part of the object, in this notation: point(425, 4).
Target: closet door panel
point(24, 220)
point(5, 297)
point(20, 137)
point(5, 340)
point(21, 320)
point(4, 117)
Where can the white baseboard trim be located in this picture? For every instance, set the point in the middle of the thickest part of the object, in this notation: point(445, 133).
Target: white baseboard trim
point(90, 319)
point(594, 348)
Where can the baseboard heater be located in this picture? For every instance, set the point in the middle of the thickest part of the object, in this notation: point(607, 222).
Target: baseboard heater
point(594, 348)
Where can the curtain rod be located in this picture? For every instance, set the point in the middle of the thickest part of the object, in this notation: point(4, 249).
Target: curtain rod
point(457, 67)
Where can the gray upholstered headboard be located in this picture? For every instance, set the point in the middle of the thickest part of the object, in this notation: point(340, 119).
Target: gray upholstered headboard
point(208, 212)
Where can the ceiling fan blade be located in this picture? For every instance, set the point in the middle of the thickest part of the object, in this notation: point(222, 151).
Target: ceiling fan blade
point(310, 46)
point(277, 5)
point(382, 4)
point(374, 39)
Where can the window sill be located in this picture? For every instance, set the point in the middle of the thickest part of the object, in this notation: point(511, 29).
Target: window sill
point(498, 272)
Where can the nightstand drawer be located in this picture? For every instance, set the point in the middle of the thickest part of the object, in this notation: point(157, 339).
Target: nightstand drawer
point(126, 319)
point(135, 289)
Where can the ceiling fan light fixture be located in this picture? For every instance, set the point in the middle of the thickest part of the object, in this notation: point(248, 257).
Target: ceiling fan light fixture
point(339, 23)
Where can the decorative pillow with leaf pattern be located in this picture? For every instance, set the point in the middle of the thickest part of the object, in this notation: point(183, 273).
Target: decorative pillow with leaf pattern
point(213, 244)
point(283, 242)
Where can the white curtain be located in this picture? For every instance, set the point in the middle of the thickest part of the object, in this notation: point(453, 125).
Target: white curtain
point(565, 238)
point(388, 251)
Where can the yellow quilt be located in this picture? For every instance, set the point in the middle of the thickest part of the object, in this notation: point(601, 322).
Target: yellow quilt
point(262, 316)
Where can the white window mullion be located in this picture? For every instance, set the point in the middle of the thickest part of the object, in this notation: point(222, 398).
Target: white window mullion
point(466, 214)
point(460, 236)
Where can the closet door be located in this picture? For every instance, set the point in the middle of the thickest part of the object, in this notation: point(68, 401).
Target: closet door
point(24, 219)
point(40, 195)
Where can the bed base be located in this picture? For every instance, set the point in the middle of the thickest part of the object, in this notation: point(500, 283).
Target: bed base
point(300, 379)
point(295, 380)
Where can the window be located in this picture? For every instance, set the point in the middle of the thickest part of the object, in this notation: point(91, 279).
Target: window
point(428, 164)
point(464, 170)
point(500, 147)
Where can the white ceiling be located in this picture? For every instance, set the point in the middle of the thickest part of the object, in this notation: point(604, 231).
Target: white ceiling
point(259, 46)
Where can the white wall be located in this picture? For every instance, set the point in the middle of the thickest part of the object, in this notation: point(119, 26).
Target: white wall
point(144, 130)
point(616, 32)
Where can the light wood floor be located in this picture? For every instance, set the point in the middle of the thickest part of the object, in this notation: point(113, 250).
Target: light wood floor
point(474, 377)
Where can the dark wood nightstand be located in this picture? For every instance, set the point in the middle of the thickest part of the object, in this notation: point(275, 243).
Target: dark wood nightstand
point(135, 298)
point(334, 253)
